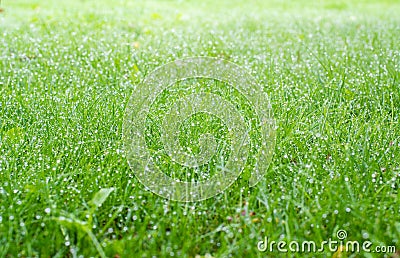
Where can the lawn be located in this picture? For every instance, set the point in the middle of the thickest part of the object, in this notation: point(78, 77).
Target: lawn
point(68, 69)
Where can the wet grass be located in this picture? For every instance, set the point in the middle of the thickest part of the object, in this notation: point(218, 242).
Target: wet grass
point(67, 70)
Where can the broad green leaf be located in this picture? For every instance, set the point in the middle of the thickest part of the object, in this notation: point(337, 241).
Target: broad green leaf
point(101, 196)
point(14, 133)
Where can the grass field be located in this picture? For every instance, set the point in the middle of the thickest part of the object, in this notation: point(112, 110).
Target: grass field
point(68, 69)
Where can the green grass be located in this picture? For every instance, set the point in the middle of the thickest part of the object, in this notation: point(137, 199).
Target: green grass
point(68, 69)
